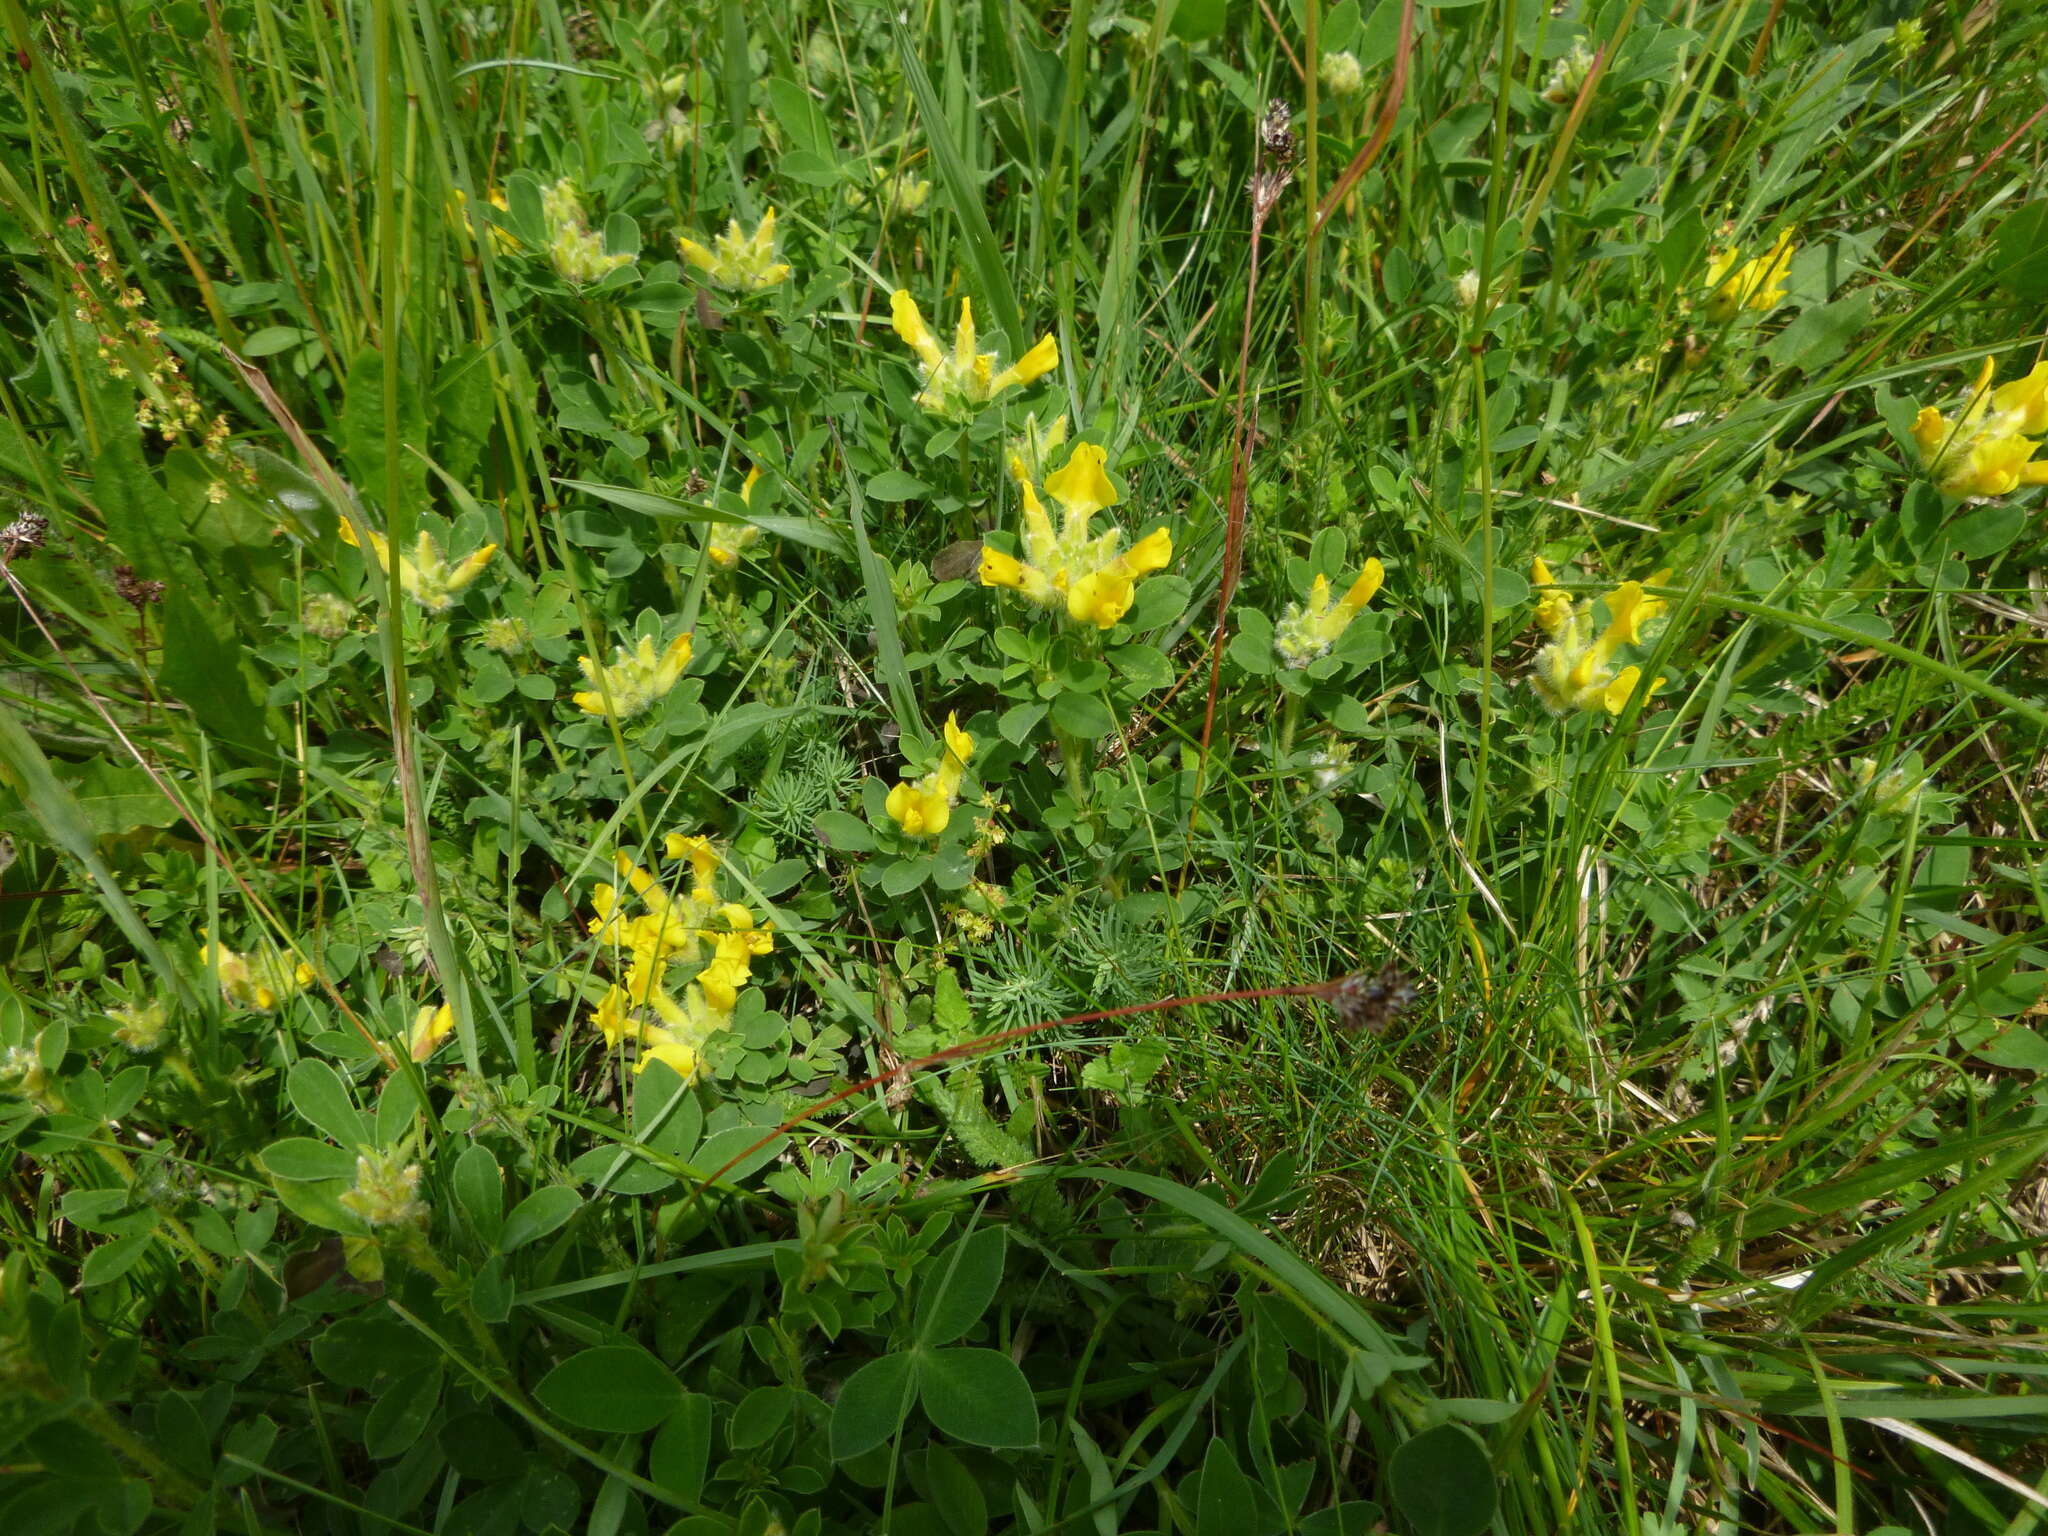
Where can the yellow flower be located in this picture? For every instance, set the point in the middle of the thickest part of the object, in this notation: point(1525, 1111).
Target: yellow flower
point(1576, 669)
point(924, 807)
point(426, 576)
point(1307, 631)
point(738, 260)
point(1087, 575)
point(430, 1026)
point(1758, 283)
point(1987, 448)
point(258, 982)
point(673, 927)
point(963, 376)
point(1555, 606)
point(729, 541)
point(635, 679)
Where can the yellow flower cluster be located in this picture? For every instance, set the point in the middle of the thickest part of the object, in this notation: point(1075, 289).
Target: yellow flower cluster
point(1987, 448)
point(729, 541)
point(1576, 669)
point(963, 376)
point(426, 576)
point(673, 927)
point(1758, 283)
point(1308, 630)
point(924, 806)
point(743, 262)
point(258, 982)
point(1069, 568)
point(574, 247)
point(635, 679)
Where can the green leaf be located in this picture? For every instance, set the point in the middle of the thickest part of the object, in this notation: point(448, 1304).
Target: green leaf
point(1225, 1505)
point(2021, 263)
point(1084, 715)
point(905, 875)
point(617, 1389)
point(844, 833)
point(319, 1095)
point(206, 667)
point(307, 1160)
point(873, 1403)
point(110, 1261)
point(537, 1215)
point(1988, 530)
point(959, 1284)
point(1822, 333)
point(480, 1190)
point(979, 1396)
point(897, 485)
point(1442, 1482)
point(401, 1411)
point(682, 1450)
point(362, 429)
point(1019, 721)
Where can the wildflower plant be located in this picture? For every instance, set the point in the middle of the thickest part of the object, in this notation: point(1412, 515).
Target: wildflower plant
point(1576, 668)
point(579, 253)
point(963, 378)
point(1986, 447)
point(736, 260)
point(426, 576)
point(924, 807)
point(684, 925)
point(634, 680)
point(1756, 283)
point(1090, 577)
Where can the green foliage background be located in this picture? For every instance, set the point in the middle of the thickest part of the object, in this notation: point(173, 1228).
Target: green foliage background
point(1699, 1186)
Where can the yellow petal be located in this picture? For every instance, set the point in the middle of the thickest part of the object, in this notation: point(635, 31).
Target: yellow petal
point(908, 322)
point(696, 255)
point(2027, 399)
point(1539, 574)
point(1616, 694)
point(964, 337)
point(1080, 486)
point(1100, 598)
point(1000, 570)
point(1154, 552)
point(1035, 364)
point(1363, 590)
point(959, 745)
point(747, 490)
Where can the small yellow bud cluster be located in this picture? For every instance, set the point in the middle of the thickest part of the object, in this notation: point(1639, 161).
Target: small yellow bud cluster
point(635, 680)
point(1568, 74)
point(386, 1192)
point(1341, 74)
point(963, 377)
point(425, 576)
point(1306, 631)
point(672, 927)
point(1576, 670)
point(923, 807)
point(1091, 576)
point(1758, 283)
point(325, 616)
point(141, 1026)
point(256, 982)
point(506, 634)
point(576, 249)
point(1987, 448)
point(738, 261)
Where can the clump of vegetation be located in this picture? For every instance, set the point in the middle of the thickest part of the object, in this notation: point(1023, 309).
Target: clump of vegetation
point(1353, 850)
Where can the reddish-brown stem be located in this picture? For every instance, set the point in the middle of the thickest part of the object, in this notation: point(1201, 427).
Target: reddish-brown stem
point(982, 1043)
